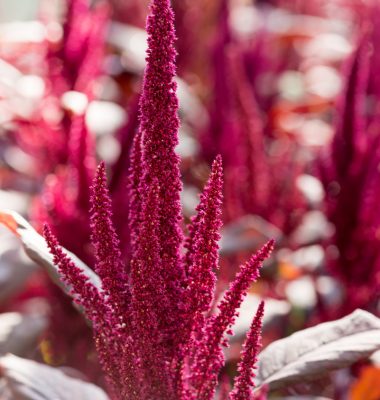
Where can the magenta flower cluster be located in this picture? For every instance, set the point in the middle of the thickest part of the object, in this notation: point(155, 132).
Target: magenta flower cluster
point(154, 329)
point(350, 174)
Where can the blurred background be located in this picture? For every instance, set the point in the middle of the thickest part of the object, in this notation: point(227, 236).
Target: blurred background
point(19, 10)
point(287, 91)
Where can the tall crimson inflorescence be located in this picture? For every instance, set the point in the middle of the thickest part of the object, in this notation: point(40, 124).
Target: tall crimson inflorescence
point(351, 178)
point(238, 131)
point(154, 329)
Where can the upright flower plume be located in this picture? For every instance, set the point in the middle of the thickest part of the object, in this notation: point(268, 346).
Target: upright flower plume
point(154, 328)
point(159, 136)
point(76, 63)
point(82, 159)
point(87, 295)
point(209, 357)
point(244, 381)
point(135, 172)
point(159, 127)
point(238, 131)
point(351, 178)
point(108, 266)
point(202, 254)
point(202, 260)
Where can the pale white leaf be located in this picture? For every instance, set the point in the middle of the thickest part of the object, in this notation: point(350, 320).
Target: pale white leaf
point(375, 358)
point(315, 351)
point(29, 380)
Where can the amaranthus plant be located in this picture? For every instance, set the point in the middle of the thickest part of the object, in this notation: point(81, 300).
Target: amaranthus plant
point(152, 321)
point(351, 178)
point(158, 321)
point(65, 148)
point(75, 63)
point(237, 130)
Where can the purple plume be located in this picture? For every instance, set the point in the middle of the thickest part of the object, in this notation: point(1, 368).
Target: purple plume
point(244, 381)
point(202, 256)
point(154, 329)
point(209, 358)
point(108, 256)
point(87, 295)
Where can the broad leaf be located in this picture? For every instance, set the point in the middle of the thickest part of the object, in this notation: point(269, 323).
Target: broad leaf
point(28, 380)
point(37, 249)
point(313, 352)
